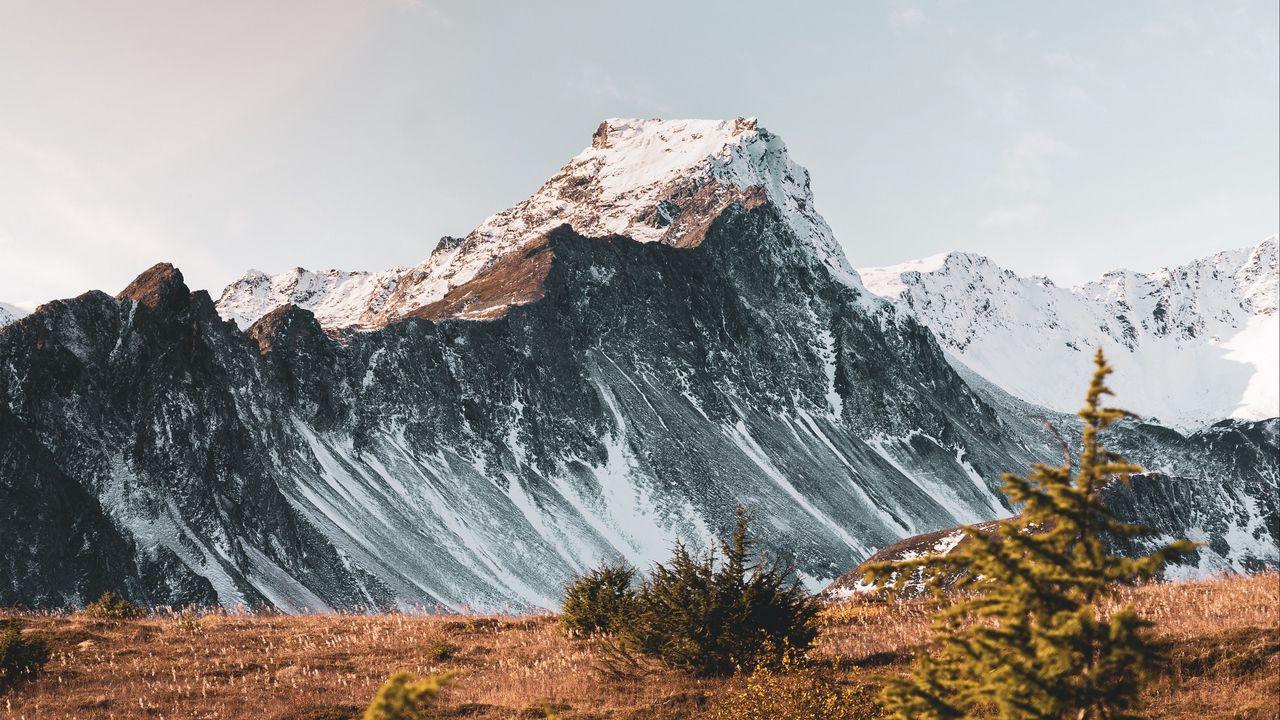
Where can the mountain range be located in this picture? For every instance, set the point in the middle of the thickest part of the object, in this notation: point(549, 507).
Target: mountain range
point(665, 329)
point(1194, 344)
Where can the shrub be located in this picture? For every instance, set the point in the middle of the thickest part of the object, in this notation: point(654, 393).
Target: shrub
point(189, 622)
point(20, 657)
point(406, 697)
point(439, 650)
point(112, 607)
point(796, 690)
point(713, 615)
point(602, 601)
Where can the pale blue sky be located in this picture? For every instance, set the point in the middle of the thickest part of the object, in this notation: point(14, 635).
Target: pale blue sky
point(1058, 138)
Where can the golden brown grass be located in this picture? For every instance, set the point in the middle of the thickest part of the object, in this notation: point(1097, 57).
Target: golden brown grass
point(1224, 635)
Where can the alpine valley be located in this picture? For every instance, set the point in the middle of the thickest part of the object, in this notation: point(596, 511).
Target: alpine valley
point(665, 329)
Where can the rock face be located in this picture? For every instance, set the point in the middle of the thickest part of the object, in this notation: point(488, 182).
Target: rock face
point(1192, 344)
point(1222, 507)
point(578, 397)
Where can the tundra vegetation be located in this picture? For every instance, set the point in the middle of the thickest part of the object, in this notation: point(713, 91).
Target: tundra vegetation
point(1222, 639)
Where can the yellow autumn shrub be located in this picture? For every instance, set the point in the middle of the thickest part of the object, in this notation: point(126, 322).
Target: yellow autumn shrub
point(794, 690)
point(406, 696)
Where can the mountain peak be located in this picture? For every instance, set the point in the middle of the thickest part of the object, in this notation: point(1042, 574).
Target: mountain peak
point(890, 281)
point(613, 129)
point(651, 180)
point(160, 286)
point(663, 181)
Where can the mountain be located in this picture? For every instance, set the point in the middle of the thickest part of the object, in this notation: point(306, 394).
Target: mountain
point(10, 313)
point(1193, 344)
point(539, 396)
point(650, 180)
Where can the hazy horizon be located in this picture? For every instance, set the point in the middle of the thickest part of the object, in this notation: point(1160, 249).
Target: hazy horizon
point(1059, 141)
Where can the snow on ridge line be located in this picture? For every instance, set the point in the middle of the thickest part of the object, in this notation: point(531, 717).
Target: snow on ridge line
point(887, 280)
point(652, 180)
point(1192, 344)
point(338, 298)
point(11, 313)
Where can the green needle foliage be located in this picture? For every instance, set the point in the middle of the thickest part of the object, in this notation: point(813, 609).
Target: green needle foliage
point(20, 656)
point(714, 615)
point(406, 697)
point(111, 606)
point(600, 601)
point(1019, 633)
point(709, 613)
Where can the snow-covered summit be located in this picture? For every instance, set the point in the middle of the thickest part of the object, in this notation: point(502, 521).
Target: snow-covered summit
point(10, 313)
point(1192, 344)
point(665, 180)
point(652, 180)
point(339, 298)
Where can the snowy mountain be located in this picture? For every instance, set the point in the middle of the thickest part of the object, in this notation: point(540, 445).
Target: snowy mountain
point(9, 313)
point(665, 330)
point(653, 181)
point(1193, 344)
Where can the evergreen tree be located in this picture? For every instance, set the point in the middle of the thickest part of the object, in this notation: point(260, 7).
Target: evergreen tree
point(21, 656)
point(714, 613)
point(710, 613)
point(601, 601)
point(1019, 633)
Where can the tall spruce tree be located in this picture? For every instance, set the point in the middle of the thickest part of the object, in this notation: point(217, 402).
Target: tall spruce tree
point(1019, 633)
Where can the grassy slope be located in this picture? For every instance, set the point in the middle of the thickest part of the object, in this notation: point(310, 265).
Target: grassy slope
point(1226, 636)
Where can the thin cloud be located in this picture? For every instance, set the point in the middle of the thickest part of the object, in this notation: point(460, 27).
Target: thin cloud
point(1009, 216)
point(906, 17)
point(594, 82)
point(1029, 161)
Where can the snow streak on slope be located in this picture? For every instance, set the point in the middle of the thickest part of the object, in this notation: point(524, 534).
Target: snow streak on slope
point(651, 180)
point(10, 313)
point(1192, 344)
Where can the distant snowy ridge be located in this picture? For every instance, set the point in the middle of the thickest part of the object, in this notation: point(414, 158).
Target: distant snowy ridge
point(339, 298)
point(10, 313)
point(1192, 345)
point(652, 180)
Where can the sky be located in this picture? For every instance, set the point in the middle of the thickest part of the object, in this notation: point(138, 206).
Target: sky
point(1063, 139)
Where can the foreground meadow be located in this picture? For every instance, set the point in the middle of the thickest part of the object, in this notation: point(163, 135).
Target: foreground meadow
point(1224, 636)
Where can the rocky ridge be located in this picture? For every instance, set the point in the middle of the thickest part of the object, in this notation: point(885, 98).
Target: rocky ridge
point(1194, 344)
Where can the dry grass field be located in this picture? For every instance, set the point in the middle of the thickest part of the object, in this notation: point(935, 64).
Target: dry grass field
point(1225, 637)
